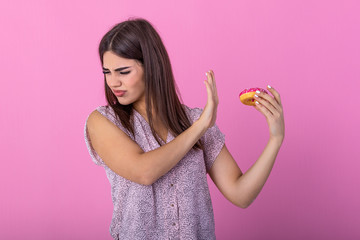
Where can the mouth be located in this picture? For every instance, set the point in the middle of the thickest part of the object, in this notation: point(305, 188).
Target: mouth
point(119, 93)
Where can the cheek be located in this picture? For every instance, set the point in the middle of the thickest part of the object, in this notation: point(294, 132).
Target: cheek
point(136, 83)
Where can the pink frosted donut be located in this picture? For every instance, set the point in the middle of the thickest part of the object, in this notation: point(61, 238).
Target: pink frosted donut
point(247, 95)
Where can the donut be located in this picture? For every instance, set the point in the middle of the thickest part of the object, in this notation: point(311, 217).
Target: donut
point(247, 95)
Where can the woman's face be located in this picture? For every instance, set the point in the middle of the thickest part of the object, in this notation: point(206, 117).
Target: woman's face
point(129, 80)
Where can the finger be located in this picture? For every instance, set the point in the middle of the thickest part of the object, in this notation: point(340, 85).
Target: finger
point(213, 77)
point(268, 101)
point(263, 110)
point(266, 104)
point(208, 90)
point(214, 84)
point(209, 78)
point(211, 81)
point(276, 94)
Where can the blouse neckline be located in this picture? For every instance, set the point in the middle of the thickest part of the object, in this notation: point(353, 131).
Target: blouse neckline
point(148, 125)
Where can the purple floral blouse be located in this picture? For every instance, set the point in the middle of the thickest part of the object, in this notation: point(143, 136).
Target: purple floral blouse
point(178, 204)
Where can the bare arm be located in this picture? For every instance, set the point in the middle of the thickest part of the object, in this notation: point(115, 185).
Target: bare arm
point(126, 158)
point(242, 189)
point(249, 185)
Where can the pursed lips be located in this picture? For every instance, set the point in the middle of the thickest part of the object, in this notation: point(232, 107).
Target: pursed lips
point(119, 92)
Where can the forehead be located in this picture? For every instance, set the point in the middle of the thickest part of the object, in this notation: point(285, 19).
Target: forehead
point(111, 61)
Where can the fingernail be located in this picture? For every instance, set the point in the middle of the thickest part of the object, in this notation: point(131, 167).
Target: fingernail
point(206, 74)
point(257, 102)
point(269, 86)
point(257, 91)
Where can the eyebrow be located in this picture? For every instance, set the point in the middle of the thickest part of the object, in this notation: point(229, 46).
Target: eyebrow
point(117, 69)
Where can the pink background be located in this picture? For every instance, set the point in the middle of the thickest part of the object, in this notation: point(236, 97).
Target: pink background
point(307, 50)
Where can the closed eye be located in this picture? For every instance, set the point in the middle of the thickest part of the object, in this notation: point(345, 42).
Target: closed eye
point(123, 73)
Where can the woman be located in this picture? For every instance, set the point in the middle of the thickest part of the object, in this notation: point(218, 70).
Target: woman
point(157, 151)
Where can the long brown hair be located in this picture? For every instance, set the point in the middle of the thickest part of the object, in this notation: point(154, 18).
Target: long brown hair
point(137, 39)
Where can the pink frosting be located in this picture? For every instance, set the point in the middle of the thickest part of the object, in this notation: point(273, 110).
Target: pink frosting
point(252, 90)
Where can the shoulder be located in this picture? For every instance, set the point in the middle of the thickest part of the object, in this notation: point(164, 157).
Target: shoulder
point(97, 112)
point(105, 110)
point(98, 116)
point(193, 113)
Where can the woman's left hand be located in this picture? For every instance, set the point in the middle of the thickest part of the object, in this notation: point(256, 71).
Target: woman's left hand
point(272, 109)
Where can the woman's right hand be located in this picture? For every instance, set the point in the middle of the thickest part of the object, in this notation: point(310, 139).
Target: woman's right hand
point(208, 116)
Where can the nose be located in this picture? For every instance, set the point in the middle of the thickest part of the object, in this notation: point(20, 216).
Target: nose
point(113, 81)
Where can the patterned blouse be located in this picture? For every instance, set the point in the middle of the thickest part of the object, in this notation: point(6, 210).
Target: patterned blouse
point(178, 204)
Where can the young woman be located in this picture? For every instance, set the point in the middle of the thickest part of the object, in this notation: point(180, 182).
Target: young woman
point(157, 151)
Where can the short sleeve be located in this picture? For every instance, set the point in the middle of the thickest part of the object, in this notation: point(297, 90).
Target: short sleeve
point(213, 140)
point(109, 114)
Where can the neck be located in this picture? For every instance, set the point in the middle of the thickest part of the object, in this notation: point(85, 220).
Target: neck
point(142, 110)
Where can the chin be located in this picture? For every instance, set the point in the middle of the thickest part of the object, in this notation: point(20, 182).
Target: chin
point(125, 102)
